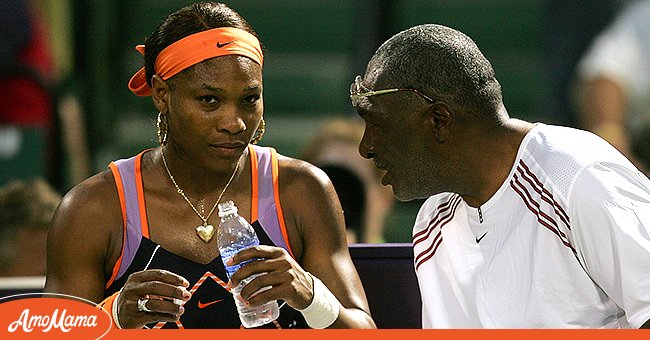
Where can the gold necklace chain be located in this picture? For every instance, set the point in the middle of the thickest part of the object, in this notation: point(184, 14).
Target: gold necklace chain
point(180, 191)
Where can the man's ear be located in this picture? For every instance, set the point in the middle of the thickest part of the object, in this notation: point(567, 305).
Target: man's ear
point(160, 93)
point(441, 116)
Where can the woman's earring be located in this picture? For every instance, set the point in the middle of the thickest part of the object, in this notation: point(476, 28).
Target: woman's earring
point(259, 133)
point(162, 127)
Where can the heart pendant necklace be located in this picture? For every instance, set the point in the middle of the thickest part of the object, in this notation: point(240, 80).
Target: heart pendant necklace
point(204, 231)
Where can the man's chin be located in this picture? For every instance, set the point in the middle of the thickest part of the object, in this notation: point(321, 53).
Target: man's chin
point(401, 195)
point(408, 195)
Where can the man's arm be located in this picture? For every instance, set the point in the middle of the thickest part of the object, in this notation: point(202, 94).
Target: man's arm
point(610, 224)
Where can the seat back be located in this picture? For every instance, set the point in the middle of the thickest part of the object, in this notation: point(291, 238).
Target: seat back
point(388, 277)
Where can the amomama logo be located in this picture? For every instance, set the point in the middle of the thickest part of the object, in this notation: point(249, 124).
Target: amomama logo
point(52, 316)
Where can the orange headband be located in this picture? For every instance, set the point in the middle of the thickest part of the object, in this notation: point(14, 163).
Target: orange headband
point(194, 49)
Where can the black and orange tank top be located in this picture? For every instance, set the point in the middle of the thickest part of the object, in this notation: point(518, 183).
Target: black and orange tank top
point(211, 305)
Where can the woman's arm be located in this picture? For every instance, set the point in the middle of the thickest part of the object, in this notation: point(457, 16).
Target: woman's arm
point(85, 242)
point(81, 240)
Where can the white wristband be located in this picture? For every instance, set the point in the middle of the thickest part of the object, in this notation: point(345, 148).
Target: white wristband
point(324, 307)
point(114, 311)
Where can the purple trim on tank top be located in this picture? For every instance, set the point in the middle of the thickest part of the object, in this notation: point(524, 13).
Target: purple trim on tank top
point(133, 235)
point(266, 209)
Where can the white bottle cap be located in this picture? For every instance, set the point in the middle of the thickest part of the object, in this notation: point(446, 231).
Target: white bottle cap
point(227, 208)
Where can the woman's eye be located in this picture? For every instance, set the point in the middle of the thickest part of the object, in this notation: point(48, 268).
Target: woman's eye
point(209, 99)
point(252, 99)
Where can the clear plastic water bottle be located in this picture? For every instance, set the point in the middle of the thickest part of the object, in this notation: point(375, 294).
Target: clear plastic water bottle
point(235, 234)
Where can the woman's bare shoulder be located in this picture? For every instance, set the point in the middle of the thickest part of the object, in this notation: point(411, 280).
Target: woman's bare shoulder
point(298, 172)
point(306, 190)
point(90, 204)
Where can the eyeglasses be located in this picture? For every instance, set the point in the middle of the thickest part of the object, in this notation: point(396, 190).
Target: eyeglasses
point(358, 91)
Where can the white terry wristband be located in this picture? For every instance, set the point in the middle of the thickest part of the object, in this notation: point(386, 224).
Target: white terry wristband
point(324, 307)
point(114, 311)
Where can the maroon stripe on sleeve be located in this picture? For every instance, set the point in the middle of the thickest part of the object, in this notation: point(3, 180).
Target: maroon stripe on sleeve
point(539, 186)
point(425, 259)
point(437, 223)
point(443, 207)
point(542, 218)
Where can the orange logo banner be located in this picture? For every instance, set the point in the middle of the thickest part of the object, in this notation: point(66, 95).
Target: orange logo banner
point(51, 316)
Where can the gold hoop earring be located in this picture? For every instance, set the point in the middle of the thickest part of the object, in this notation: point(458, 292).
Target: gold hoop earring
point(162, 127)
point(259, 133)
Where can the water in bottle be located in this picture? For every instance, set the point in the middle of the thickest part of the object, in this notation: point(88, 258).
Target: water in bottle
point(235, 234)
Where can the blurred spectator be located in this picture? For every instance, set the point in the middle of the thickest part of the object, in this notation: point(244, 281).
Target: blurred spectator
point(613, 84)
point(352, 195)
point(366, 203)
point(26, 67)
point(569, 27)
point(26, 102)
point(26, 209)
point(40, 132)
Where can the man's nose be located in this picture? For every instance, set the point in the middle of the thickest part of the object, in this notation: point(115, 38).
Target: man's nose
point(365, 149)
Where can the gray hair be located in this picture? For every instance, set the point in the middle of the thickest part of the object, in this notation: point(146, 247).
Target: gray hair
point(443, 63)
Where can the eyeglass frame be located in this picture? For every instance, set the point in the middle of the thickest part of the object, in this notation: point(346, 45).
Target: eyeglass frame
point(355, 94)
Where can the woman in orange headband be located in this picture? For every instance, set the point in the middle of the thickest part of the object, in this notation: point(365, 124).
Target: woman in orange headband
point(139, 236)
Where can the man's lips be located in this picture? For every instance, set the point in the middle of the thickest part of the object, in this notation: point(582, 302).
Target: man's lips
point(384, 180)
point(381, 166)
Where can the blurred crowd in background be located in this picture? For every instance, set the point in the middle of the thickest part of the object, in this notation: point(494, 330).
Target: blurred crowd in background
point(66, 112)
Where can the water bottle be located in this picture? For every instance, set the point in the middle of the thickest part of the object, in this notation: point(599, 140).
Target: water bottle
point(235, 234)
